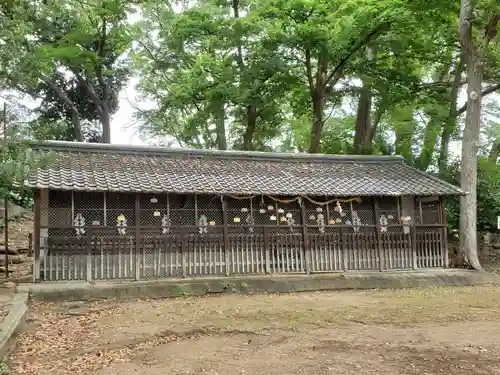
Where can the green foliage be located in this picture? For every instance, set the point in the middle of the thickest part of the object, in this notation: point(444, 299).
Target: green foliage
point(488, 196)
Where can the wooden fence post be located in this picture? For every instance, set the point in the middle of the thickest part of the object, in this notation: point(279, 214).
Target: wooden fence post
point(89, 254)
point(343, 249)
point(444, 243)
point(305, 235)
point(37, 234)
point(267, 250)
point(225, 230)
point(376, 211)
point(137, 252)
point(413, 231)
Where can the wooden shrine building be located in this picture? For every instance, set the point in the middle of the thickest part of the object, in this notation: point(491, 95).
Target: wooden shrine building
point(107, 212)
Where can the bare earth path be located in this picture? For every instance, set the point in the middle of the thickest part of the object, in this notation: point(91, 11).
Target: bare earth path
point(428, 331)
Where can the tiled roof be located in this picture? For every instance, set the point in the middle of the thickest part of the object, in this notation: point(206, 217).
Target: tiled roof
point(98, 167)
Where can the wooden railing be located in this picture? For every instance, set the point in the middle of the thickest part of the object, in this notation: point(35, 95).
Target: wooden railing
point(102, 255)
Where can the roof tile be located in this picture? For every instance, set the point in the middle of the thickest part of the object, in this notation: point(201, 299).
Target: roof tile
point(132, 169)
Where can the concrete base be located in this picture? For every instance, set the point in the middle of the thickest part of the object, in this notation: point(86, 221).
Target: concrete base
point(12, 323)
point(78, 291)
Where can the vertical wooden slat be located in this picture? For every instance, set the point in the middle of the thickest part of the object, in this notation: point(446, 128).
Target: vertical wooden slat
point(306, 251)
point(445, 233)
point(225, 235)
point(89, 254)
point(137, 214)
point(343, 249)
point(37, 233)
point(376, 211)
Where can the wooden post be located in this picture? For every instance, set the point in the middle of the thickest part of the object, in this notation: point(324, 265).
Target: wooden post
point(226, 235)
point(137, 251)
point(267, 250)
point(305, 235)
point(376, 211)
point(445, 232)
point(37, 233)
point(89, 254)
point(413, 231)
point(183, 250)
point(343, 249)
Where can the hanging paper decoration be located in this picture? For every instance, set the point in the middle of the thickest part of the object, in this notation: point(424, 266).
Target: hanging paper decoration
point(153, 200)
point(157, 214)
point(289, 215)
point(312, 217)
point(283, 219)
point(165, 224)
point(383, 223)
point(348, 222)
point(319, 209)
point(262, 210)
point(338, 221)
point(343, 214)
point(79, 223)
point(211, 222)
point(281, 211)
point(270, 208)
point(390, 217)
point(202, 224)
point(250, 221)
point(121, 223)
point(338, 207)
point(272, 218)
point(331, 222)
point(321, 223)
point(96, 223)
point(406, 220)
point(236, 220)
point(356, 221)
point(244, 209)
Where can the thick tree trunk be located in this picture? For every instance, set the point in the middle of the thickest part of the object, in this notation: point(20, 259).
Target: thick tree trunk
point(318, 91)
point(468, 178)
point(363, 119)
point(106, 123)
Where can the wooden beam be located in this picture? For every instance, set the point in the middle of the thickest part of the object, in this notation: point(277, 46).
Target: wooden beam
point(225, 234)
point(137, 252)
point(307, 246)
point(376, 212)
point(445, 232)
point(37, 233)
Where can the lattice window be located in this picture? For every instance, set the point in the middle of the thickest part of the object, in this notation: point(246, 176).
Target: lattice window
point(182, 209)
point(90, 205)
point(389, 208)
point(430, 212)
point(210, 208)
point(153, 211)
point(59, 214)
point(120, 204)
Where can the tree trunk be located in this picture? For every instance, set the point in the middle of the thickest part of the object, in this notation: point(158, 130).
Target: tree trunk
point(451, 121)
point(220, 128)
point(363, 118)
point(75, 116)
point(106, 123)
point(468, 178)
point(318, 90)
point(251, 119)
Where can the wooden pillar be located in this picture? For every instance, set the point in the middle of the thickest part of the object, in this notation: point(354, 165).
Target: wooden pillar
point(37, 234)
point(376, 212)
point(137, 250)
point(89, 246)
point(225, 230)
point(307, 246)
point(445, 232)
point(413, 231)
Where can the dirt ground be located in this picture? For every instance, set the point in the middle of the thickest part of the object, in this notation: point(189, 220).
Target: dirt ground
point(418, 331)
